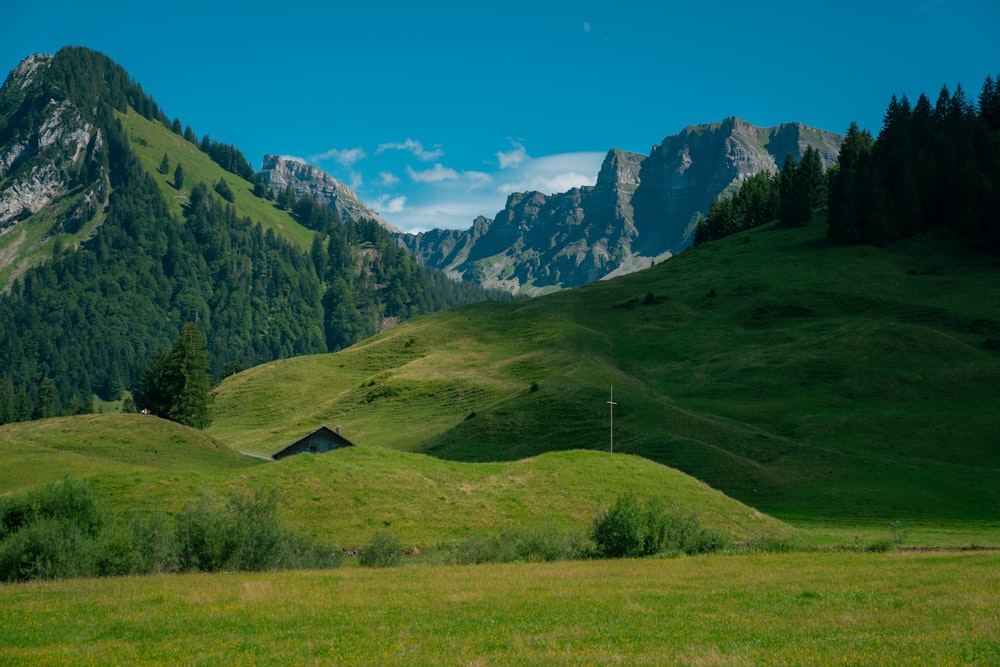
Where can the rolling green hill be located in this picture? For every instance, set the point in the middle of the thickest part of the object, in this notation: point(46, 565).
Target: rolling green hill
point(802, 378)
point(142, 463)
point(49, 449)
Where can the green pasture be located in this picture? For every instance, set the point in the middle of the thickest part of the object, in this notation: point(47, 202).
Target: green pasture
point(139, 463)
point(48, 450)
point(801, 378)
point(787, 609)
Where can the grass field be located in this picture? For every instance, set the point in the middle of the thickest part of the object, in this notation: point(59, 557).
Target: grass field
point(804, 379)
point(141, 463)
point(789, 609)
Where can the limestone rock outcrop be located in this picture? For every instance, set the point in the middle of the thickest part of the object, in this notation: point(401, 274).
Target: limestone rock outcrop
point(641, 209)
point(280, 172)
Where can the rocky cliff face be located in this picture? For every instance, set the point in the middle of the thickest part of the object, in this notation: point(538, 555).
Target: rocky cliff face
point(280, 173)
point(39, 160)
point(47, 150)
point(642, 209)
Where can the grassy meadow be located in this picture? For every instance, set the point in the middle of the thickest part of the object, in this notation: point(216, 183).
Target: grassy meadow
point(824, 398)
point(787, 609)
point(804, 379)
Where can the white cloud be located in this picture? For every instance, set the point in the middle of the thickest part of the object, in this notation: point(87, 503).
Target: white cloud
point(454, 202)
point(343, 156)
point(386, 205)
point(586, 26)
point(414, 147)
point(293, 158)
point(388, 178)
point(554, 173)
point(477, 178)
point(434, 175)
point(513, 158)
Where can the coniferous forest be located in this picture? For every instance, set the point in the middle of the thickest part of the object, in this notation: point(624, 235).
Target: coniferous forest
point(91, 320)
point(932, 169)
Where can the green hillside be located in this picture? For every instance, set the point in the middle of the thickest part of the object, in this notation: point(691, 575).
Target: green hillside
point(151, 141)
point(142, 463)
point(802, 378)
point(47, 450)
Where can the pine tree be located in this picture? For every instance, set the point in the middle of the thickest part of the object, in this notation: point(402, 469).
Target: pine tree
point(179, 176)
point(849, 187)
point(45, 405)
point(164, 165)
point(176, 385)
point(151, 394)
point(794, 208)
point(812, 179)
point(188, 380)
point(6, 399)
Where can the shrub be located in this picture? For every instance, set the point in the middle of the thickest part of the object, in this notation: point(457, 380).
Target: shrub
point(769, 544)
point(61, 530)
point(620, 532)
point(239, 534)
point(69, 500)
point(44, 531)
point(46, 548)
point(629, 529)
point(382, 550)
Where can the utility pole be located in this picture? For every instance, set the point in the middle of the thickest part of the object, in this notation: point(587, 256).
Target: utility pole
point(612, 405)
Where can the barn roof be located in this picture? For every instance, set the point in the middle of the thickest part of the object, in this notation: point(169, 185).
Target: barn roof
point(324, 432)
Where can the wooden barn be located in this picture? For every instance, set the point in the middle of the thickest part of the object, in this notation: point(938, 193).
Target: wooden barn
point(323, 439)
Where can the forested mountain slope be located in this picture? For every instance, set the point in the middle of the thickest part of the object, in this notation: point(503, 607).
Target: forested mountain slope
point(116, 228)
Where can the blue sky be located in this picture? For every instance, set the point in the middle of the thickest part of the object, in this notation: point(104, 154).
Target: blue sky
point(434, 112)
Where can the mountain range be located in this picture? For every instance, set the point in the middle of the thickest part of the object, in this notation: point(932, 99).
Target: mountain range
point(99, 188)
point(642, 209)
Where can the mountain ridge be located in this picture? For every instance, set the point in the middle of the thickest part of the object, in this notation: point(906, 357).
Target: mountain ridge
point(641, 210)
point(306, 180)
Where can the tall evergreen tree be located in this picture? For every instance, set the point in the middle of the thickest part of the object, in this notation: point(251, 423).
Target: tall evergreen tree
point(795, 207)
point(179, 176)
point(152, 395)
point(188, 380)
point(812, 178)
point(164, 165)
point(847, 195)
point(176, 385)
point(6, 399)
point(45, 404)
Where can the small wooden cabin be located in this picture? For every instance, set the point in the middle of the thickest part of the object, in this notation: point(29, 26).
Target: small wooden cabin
point(323, 439)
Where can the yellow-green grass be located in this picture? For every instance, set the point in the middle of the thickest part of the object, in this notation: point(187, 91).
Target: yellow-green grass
point(345, 496)
point(47, 450)
point(805, 379)
point(788, 609)
point(151, 140)
point(398, 390)
point(825, 534)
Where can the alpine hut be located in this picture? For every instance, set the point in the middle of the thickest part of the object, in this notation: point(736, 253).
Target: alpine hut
point(323, 439)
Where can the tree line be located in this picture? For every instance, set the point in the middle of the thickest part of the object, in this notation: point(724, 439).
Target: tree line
point(931, 168)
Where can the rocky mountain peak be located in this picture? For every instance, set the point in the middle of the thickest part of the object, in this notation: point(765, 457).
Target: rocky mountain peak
point(304, 179)
point(620, 167)
point(23, 75)
point(642, 209)
point(55, 129)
